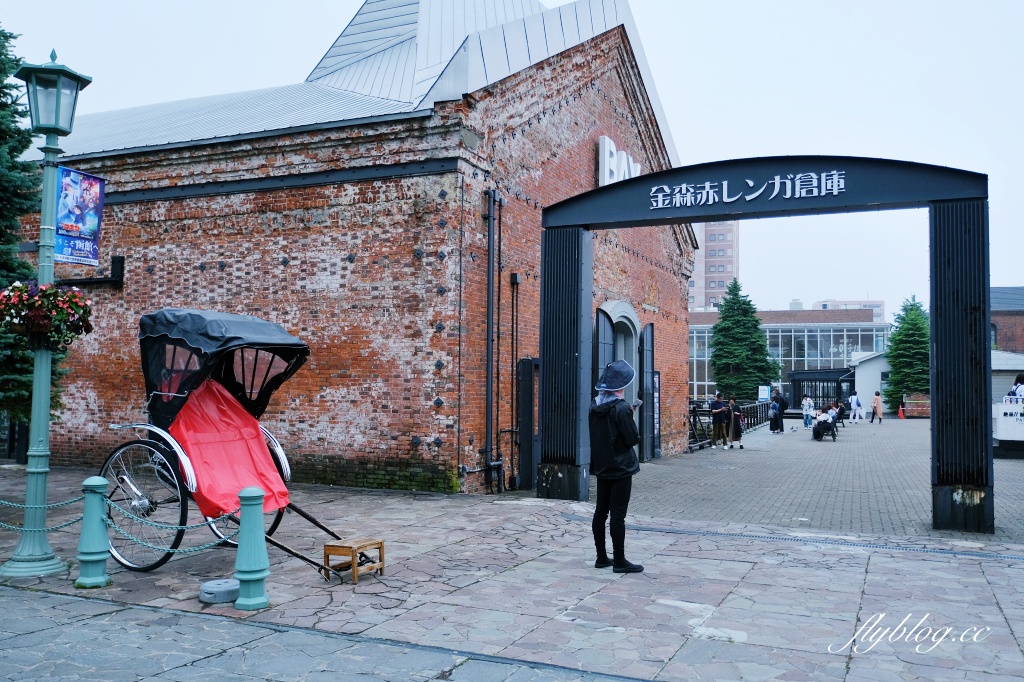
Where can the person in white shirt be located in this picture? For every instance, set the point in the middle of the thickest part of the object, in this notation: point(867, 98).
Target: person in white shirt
point(821, 422)
point(856, 408)
point(1018, 386)
point(808, 411)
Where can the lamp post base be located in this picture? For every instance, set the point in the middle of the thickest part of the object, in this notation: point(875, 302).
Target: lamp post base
point(32, 567)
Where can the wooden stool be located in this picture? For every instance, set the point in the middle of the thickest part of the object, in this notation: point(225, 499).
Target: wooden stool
point(350, 549)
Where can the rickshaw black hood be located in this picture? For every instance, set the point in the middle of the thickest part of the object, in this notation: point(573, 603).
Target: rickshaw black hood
point(213, 332)
point(181, 348)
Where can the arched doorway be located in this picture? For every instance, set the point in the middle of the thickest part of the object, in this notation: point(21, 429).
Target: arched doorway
point(626, 340)
point(785, 186)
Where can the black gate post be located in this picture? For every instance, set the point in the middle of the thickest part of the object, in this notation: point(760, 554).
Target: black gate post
point(961, 367)
point(529, 441)
point(566, 348)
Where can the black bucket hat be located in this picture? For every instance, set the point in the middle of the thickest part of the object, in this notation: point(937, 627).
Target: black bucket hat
point(616, 375)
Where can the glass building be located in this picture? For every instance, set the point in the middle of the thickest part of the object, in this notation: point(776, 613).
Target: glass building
point(797, 339)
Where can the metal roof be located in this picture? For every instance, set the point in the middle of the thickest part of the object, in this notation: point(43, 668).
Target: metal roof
point(394, 57)
point(1005, 361)
point(398, 48)
point(1007, 298)
point(221, 116)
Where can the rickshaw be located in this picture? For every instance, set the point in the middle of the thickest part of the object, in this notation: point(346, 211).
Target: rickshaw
point(209, 378)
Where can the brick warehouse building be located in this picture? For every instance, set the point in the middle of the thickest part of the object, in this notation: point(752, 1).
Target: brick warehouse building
point(1007, 318)
point(351, 210)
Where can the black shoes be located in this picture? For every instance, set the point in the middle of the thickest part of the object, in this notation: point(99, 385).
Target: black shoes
point(618, 566)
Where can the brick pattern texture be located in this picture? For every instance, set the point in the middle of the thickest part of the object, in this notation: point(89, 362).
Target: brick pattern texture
point(1009, 325)
point(386, 279)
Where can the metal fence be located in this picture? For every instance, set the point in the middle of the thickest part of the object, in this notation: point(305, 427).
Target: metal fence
point(755, 415)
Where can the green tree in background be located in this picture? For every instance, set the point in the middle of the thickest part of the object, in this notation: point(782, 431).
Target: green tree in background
point(739, 357)
point(907, 354)
point(19, 195)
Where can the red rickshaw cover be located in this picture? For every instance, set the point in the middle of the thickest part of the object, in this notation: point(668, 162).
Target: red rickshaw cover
point(227, 451)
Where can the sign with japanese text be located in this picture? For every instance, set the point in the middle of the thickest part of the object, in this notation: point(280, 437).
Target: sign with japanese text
point(79, 215)
point(764, 187)
point(656, 380)
point(793, 186)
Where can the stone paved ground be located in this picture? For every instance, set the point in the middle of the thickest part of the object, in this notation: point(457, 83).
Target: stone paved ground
point(503, 587)
point(872, 479)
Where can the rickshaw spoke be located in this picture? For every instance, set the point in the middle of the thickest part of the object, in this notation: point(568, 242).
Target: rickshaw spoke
point(224, 526)
point(147, 487)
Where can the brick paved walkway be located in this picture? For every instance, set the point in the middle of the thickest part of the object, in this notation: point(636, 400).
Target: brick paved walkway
point(736, 586)
point(874, 479)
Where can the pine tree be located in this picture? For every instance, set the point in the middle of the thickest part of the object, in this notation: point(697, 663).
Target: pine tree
point(19, 195)
point(907, 354)
point(739, 356)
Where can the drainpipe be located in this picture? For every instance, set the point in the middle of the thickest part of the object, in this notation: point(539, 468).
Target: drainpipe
point(488, 448)
point(462, 215)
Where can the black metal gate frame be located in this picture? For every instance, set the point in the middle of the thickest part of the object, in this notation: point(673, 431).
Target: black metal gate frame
point(957, 201)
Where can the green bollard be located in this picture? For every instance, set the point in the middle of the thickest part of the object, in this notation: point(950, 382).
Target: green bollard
point(252, 565)
point(93, 544)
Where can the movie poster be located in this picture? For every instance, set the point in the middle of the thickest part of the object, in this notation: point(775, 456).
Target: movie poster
point(79, 213)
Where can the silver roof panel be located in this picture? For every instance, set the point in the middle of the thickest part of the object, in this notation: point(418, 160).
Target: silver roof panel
point(220, 116)
point(394, 57)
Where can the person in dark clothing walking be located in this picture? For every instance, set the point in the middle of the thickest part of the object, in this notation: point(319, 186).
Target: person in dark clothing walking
point(736, 423)
point(719, 422)
point(613, 461)
point(774, 415)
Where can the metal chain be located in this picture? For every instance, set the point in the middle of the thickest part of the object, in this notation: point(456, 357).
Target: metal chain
point(187, 550)
point(41, 530)
point(110, 523)
point(5, 503)
point(154, 524)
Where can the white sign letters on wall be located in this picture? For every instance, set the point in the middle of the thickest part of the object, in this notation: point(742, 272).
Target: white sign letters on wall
point(613, 165)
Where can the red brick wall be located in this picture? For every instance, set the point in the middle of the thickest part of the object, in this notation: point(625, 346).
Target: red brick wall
point(1009, 326)
point(349, 415)
point(540, 131)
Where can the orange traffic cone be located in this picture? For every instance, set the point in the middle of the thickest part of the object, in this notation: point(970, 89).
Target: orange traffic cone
point(900, 413)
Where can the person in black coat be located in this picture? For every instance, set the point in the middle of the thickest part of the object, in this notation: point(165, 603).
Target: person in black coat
point(775, 415)
point(613, 461)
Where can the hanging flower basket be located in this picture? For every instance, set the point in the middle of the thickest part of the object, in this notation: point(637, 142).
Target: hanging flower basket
point(48, 316)
point(38, 321)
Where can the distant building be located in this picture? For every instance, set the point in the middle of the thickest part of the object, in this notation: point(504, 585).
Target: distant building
point(877, 308)
point(1007, 318)
point(797, 339)
point(872, 374)
point(716, 262)
point(1005, 368)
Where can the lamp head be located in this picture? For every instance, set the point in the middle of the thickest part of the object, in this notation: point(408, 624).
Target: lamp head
point(52, 95)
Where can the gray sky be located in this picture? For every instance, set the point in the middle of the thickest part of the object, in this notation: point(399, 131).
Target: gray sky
point(932, 81)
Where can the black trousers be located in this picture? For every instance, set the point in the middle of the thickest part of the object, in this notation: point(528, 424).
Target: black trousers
point(612, 497)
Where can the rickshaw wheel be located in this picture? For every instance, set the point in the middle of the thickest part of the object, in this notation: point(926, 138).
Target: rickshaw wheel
point(145, 483)
point(224, 527)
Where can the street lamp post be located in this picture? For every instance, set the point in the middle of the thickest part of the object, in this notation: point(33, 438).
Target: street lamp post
point(52, 95)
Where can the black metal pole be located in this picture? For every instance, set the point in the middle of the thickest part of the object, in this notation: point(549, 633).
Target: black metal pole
point(487, 449)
